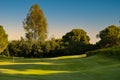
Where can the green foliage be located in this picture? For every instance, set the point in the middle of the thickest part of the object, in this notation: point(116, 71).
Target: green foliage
point(24, 49)
point(35, 24)
point(53, 48)
point(76, 36)
point(77, 41)
point(3, 39)
point(110, 36)
point(16, 48)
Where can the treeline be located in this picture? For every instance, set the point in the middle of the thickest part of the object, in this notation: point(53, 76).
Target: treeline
point(35, 43)
point(74, 42)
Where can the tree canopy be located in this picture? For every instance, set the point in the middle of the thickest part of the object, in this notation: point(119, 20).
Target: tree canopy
point(3, 39)
point(76, 41)
point(110, 36)
point(35, 24)
point(76, 35)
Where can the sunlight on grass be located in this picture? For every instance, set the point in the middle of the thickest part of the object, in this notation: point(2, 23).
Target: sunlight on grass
point(28, 71)
point(31, 72)
point(68, 57)
point(11, 63)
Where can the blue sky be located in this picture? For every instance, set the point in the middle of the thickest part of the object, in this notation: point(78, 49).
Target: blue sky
point(62, 16)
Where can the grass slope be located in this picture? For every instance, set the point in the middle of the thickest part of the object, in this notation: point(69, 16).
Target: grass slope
point(113, 52)
point(62, 68)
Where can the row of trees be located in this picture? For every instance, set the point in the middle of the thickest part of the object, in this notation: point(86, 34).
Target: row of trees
point(35, 44)
point(73, 42)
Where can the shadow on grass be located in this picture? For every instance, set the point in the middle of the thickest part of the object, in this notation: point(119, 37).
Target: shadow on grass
point(33, 71)
point(90, 68)
point(98, 74)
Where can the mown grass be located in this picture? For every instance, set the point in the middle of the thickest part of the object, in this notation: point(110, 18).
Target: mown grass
point(113, 52)
point(96, 67)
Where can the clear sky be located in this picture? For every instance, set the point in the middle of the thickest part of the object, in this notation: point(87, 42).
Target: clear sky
point(62, 16)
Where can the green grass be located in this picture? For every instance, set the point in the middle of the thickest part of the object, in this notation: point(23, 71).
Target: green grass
point(96, 67)
point(113, 52)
